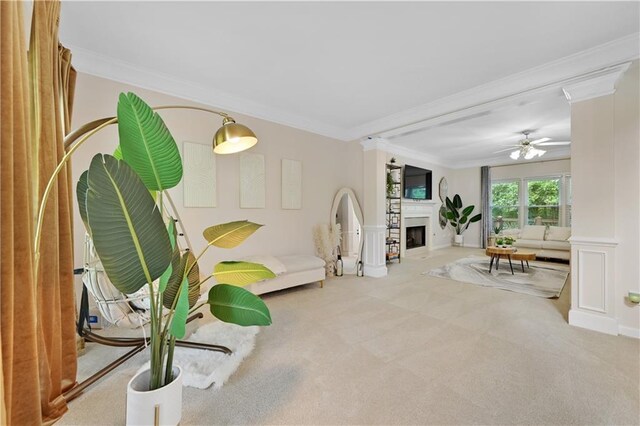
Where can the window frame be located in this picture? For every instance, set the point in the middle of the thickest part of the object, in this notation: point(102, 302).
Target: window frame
point(564, 196)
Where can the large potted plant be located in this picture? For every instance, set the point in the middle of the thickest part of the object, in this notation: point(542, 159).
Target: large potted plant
point(120, 200)
point(458, 217)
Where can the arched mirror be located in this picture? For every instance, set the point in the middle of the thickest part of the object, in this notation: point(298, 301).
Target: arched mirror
point(346, 211)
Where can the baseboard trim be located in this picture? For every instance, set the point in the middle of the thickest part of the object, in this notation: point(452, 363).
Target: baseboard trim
point(471, 245)
point(629, 331)
point(593, 322)
point(441, 246)
point(375, 271)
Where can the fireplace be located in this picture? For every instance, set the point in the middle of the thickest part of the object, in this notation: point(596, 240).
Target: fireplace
point(416, 228)
point(416, 236)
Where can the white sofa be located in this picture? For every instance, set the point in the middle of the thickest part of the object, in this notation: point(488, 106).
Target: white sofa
point(290, 271)
point(550, 242)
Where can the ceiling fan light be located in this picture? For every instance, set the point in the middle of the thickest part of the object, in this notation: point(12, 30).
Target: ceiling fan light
point(529, 154)
point(515, 154)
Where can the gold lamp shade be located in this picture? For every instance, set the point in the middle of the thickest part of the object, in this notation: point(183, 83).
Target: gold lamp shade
point(233, 137)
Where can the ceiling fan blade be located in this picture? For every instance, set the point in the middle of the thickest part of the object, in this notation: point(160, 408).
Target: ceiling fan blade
point(554, 143)
point(511, 148)
point(539, 141)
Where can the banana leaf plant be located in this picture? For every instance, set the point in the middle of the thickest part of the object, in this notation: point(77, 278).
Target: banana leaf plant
point(120, 201)
point(457, 216)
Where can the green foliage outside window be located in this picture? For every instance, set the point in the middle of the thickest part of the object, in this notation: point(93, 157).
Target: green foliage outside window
point(505, 203)
point(544, 201)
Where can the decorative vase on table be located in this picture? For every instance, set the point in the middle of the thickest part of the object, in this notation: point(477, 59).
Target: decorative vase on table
point(161, 406)
point(458, 239)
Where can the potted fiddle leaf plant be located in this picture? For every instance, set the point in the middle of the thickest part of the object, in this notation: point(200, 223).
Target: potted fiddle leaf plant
point(120, 200)
point(459, 217)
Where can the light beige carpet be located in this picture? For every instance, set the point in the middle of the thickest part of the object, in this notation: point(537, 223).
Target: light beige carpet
point(408, 349)
point(542, 279)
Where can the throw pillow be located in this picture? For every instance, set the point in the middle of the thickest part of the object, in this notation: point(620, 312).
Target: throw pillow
point(558, 233)
point(533, 232)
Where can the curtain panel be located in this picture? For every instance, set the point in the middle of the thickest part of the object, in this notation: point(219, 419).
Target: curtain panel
point(485, 204)
point(38, 319)
point(18, 314)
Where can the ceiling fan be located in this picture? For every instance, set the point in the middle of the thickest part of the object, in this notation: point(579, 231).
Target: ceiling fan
point(528, 149)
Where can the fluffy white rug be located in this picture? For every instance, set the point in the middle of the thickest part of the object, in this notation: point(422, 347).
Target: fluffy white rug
point(541, 279)
point(202, 368)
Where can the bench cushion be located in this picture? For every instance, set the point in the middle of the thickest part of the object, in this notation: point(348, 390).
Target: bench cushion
point(301, 262)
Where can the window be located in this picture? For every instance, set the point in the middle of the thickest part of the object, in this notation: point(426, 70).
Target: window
point(543, 201)
point(540, 200)
point(505, 202)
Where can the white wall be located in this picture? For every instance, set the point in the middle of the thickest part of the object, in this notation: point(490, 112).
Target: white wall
point(327, 165)
point(466, 183)
point(606, 214)
point(627, 197)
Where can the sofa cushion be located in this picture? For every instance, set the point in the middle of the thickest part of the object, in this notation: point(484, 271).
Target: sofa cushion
point(558, 233)
point(533, 232)
point(533, 244)
point(514, 232)
point(556, 245)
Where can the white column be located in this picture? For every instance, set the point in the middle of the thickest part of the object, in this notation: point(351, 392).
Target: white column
point(593, 241)
point(374, 208)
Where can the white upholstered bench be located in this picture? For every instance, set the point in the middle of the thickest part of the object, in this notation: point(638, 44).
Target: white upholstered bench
point(298, 270)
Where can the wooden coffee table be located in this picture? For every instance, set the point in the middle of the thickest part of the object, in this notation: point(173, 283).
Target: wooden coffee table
point(523, 256)
point(498, 252)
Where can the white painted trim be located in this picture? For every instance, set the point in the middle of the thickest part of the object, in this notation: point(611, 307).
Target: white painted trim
point(93, 63)
point(384, 145)
point(629, 331)
point(593, 241)
point(602, 309)
point(593, 321)
point(552, 73)
point(441, 246)
point(375, 271)
point(369, 144)
point(465, 245)
point(602, 83)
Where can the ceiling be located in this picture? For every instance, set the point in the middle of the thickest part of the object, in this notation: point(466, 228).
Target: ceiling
point(350, 70)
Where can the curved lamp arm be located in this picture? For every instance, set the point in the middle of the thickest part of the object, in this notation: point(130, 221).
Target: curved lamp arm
point(77, 138)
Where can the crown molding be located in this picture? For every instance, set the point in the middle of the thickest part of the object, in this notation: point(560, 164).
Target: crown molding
point(559, 154)
point(382, 144)
point(89, 62)
point(544, 78)
point(602, 83)
point(539, 81)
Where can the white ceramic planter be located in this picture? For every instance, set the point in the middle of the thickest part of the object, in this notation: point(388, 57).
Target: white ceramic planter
point(142, 403)
point(458, 240)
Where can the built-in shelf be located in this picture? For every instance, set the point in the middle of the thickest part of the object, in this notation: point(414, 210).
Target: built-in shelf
point(394, 212)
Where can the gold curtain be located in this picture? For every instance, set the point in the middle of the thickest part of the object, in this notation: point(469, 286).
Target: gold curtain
point(20, 360)
point(52, 82)
point(38, 321)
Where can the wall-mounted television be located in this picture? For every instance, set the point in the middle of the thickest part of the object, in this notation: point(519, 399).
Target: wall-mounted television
point(417, 183)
